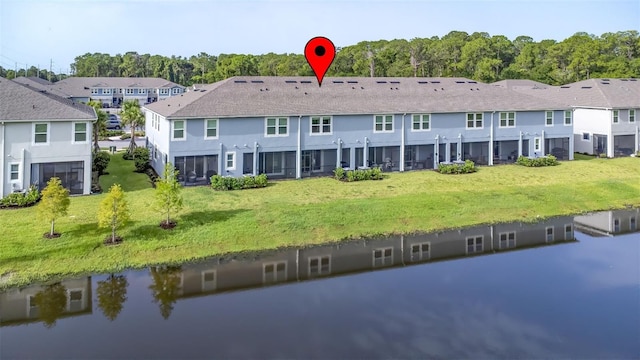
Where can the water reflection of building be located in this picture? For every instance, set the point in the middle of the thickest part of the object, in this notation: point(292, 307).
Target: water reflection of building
point(357, 256)
point(609, 223)
point(19, 305)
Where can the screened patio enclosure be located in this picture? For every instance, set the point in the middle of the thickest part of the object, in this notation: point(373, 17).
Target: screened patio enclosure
point(196, 170)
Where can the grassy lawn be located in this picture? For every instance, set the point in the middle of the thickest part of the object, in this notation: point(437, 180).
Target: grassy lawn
point(303, 212)
point(578, 156)
point(120, 171)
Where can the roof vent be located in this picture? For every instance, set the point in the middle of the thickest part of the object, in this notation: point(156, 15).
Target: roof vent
point(624, 79)
point(564, 87)
point(605, 83)
point(423, 82)
point(290, 81)
point(472, 82)
point(586, 87)
point(305, 82)
point(381, 82)
point(633, 79)
point(459, 82)
point(351, 82)
point(240, 81)
point(338, 82)
point(435, 82)
point(394, 82)
point(257, 81)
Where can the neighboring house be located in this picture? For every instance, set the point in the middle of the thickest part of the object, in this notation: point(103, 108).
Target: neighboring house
point(18, 305)
point(42, 136)
point(360, 256)
point(605, 113)
point(290, 127)
point(110, 91)
point(609, 223)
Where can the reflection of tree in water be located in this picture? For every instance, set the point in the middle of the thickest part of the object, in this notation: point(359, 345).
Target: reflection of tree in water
point(112, 293)
point(51, 303)
point(165, 287)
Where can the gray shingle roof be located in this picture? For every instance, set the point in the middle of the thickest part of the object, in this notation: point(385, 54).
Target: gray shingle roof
point(606, 93)
point(81, 86)
point(40, 85)
point(23, 103)
point(291, 96)
point(516, 83)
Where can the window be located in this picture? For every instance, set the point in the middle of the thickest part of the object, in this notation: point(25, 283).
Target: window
point(567, 117)
point(14, 172)
point(616, 225)
point(507, 240)
point(142, 91)
point(383, 123)
point(79, 132)
point(507, 119)
point(164, 91)
point(536, 144)
point(320, 125)
point(474, 244)
point(632, 224)
point(420, 251)
point(230, 160)
point(94, 91)
point(319, 265)
point(211, 129)
point(176, 90)
point(178, 130)
point(616, 116)
point(548, 234)
point(586, 137)
point(277, 126)
point(106, 91)
point(548, 118)
point(421, 122)
point(41, 133)
point(474, 121)
point(274, 272)
point(632, 115)
point(129, 91)
point(208, 281)
point(568, 232)
point(383, 257)
point(75, 299)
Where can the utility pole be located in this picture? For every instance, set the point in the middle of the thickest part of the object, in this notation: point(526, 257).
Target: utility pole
point(38, 71)
point(50, 68)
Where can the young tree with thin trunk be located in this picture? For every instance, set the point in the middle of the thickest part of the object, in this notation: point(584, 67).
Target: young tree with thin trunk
point(167, 195)
point(132, 116)
point(54, 203)
point(99, 125)
point(113, 212)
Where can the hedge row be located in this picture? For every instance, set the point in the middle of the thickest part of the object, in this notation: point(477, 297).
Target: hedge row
point(548, 160)
point(358, 174)
point(223, 183)
point(466, 168)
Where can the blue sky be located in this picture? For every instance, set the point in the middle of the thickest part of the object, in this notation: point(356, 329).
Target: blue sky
point(34, 31)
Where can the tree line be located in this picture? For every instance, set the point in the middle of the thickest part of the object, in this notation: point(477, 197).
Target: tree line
point(477, 56)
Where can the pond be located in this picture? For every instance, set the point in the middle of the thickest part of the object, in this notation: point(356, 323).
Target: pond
point(568, 287)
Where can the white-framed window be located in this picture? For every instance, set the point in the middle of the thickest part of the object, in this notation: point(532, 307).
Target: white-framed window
point(632, 115)
point(548, 234)
point(156, 153)
point(75, 299)
point(383, 123)
point(176, 90)
point(421, 122)
point(616, 116)
point(633, 223)
point(616, 225)
point(475, 244)
point(507, 240)
point(178, 130)
point(537, 144)
point(80, 132)
point(586, 136)
point(321, 125)
point(164, 91)
point(230, 160)
point(94, 91)
point(41, 133)
point(129, 91)
point(507, 119)
point(319, 265)
point(142, 91)
point(474, 121)
point(383, 257)
point(277, 126)
point(211, 128)
point(568, 231)
point(421, 251)
point(548, 118)
point(106, 91)
point(209, 280)
point(567, 117)
point(274, 272)
point(14, 172)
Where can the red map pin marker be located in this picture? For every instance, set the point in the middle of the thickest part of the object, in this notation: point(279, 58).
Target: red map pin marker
point(320, 53)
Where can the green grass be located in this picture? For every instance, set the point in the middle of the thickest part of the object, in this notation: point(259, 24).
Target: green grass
point(120, 171)
point(304, 212)
point(578, 156)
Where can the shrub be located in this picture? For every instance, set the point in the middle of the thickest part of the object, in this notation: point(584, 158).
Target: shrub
point(141, 158)
point(100, 161)
point(358, 174)
point(466, 168)
point(126, 136)
point(548, 160)
point(223, 183)
point(28, 198)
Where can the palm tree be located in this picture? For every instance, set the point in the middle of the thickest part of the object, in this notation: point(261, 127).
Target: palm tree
point(99, 125)
point(132, 116)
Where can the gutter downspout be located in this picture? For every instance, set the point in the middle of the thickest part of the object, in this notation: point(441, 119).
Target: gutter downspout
point(365, 153)
point(2, 160)
point(637, 139)
point(459, 147)
point(299, 151)
point(339, 154)
point(22, 167)
point(520, 144)
point(436, 155)
point(221, 162)
point(255, 158)
point(610, 140)
point(402, 145)
point(491, 135)
point(543, 149)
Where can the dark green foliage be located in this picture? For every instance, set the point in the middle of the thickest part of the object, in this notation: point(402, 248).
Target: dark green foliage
point(548, 160)
point(100, 161)
point(52, 303)
point(112, 293)
point(466, 168)
point(141, 159)
point(358, 174)
point(21, 200)
point(222, 183)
